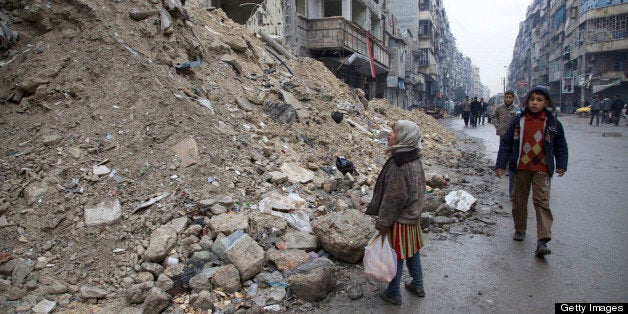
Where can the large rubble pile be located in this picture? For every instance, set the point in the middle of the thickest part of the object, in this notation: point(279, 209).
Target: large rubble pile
point(166, 157)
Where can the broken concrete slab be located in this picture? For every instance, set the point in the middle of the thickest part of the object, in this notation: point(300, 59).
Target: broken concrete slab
point(228, 223)
point(162, 240)
point(345, 234)
point(247, 256)
point(187, 151)
point(106, 212)
point(313, 281)
point(296, 173)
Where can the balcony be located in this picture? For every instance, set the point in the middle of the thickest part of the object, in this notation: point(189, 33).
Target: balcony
point(339, 34)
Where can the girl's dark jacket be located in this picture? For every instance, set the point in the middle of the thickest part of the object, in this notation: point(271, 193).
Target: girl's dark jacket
point(554, 143)
point(399, 191)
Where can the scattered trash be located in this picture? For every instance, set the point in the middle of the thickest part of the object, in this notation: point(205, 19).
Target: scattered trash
point(206, 103)
point(337, 116)
point(460, 200)
point(150, 202)
point(100, 170)
point(252, 291)
point(291, 208)
point(275, 201)
point(344, 165)
point(277, 284)
point(186, 66)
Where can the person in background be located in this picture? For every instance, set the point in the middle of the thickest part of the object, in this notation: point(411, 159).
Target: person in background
point(616, 107)
point(596, 106)
point(476, 108)
point(466, 110)
point(502, 116)
point(606, 109)
point(484, 112)
point(398, 201)
point(534, 147)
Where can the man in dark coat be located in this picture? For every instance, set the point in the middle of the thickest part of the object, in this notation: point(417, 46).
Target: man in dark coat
point(616, 107)
point(476, 109)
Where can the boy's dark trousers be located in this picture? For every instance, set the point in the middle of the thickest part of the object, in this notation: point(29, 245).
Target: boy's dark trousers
point(540, 184)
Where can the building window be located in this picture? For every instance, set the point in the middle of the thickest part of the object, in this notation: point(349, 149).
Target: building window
point(421, 57)
point(607, 28)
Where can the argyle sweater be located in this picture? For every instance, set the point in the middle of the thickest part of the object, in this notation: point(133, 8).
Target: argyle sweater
point(532, 154)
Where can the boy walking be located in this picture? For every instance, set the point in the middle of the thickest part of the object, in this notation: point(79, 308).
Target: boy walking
point(534, 147)
point(502, 116)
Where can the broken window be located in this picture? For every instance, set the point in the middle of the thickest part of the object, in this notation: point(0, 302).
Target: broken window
point(421, 58)
point(606, 28)
point(332, 8)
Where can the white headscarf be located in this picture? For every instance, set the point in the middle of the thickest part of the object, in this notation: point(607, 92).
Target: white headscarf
point(408, 137)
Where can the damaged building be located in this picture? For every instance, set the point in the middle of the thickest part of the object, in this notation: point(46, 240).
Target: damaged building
point(410, 62)
point(575, 47)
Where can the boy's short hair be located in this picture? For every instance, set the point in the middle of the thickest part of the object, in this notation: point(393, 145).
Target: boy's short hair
point(509, 92)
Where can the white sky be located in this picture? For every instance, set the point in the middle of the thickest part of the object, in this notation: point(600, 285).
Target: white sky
point(485, 31)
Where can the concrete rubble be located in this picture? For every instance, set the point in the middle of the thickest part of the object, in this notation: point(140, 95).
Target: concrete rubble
point(117, 185)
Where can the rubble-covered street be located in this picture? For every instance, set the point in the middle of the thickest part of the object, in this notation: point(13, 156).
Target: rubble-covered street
point(137, 178)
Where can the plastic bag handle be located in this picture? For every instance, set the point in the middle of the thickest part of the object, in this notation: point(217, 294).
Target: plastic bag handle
point(375, 238)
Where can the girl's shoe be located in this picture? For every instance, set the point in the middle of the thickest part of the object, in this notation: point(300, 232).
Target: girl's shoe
point(417, 290)
point(395, 300)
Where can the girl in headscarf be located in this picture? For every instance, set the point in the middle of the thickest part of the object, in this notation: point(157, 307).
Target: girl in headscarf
point(398, 201)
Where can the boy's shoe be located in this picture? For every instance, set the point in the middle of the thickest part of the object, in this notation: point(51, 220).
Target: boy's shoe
point(395, 300)
point(542, 249)
point(417, 290)
point(519, 236)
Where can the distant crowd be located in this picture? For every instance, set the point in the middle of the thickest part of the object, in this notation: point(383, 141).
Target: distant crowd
point(473, 111)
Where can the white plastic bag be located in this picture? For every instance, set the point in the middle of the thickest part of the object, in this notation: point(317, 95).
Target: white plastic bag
point(380, 260)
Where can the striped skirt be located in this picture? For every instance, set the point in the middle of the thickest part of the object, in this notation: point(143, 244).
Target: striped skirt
point(406, 240)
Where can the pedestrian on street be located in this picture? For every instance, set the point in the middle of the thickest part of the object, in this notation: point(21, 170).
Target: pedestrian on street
point(398, 201)
point(476, 108)
point(502, 116)
point(606, 109)
point(616, 107)
point(535, 146)
point(466, 110)
point(596, 106)
point(484, 112)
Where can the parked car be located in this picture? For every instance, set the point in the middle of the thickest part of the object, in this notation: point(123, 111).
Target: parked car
point(584, 111)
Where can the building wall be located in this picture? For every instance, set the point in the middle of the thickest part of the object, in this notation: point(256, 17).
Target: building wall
point(585, 40)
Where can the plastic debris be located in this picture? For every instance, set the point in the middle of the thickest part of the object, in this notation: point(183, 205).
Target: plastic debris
point(150, 202)
point(460, 200)
point(337, 116)
point(344, 165)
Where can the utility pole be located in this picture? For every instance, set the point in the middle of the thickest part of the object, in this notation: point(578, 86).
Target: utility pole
point(505, 76)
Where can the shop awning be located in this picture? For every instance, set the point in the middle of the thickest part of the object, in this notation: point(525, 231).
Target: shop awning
point(596, 88)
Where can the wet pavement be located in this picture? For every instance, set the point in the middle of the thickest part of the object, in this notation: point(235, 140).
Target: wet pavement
point(589, 260)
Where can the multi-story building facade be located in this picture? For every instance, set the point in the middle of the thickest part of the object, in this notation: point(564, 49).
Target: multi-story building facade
point(442, 68)
point(575, 47)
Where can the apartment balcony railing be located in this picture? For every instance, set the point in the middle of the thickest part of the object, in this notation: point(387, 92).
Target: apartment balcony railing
point(338, 33)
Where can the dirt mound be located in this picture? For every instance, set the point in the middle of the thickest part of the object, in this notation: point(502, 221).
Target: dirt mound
point(95, 102)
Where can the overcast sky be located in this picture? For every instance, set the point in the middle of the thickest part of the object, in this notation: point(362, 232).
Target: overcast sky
point(485, 31)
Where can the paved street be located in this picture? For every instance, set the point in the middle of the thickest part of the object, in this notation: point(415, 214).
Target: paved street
point(477, 274)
